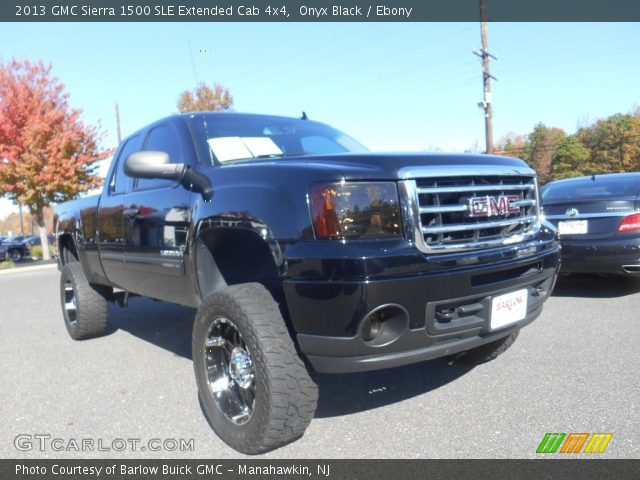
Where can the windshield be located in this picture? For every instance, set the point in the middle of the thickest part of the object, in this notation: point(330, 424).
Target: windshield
point(601, 187)
point(233, 137)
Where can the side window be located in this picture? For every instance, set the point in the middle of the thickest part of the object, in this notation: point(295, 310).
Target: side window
point(319, 145)
point(119, 180)
point(164, 138)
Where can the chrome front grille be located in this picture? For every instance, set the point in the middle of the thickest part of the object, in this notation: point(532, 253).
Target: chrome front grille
point(444, 206)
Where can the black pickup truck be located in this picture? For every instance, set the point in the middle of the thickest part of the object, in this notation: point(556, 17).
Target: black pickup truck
point(304, 253)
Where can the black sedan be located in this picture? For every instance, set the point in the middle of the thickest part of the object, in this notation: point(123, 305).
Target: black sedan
point(598, 219)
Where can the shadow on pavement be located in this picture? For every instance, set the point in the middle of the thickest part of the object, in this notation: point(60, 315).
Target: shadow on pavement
point(168, 326)
point(593, 286)
point(356, 392)
point(30, 262)
point(163, 324)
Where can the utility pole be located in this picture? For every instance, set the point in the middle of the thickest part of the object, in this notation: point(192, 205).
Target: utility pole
point(486, 80)
point(118, 123)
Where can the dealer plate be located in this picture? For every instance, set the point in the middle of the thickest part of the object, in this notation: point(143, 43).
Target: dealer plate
point(573, 227)
point(508, 308)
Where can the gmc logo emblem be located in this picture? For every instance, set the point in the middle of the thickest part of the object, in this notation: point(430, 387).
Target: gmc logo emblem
point(490, 206)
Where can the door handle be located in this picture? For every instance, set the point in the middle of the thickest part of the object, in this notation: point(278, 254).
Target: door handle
point(131, 212)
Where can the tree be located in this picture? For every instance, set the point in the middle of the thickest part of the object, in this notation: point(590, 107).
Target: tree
point(205, 98)
point(543, 144)
point(47, 154)
point(632, 144)
point(11, 223)
point(572, 159)
point(514, 145)
point(613, 142)
point(608, 145)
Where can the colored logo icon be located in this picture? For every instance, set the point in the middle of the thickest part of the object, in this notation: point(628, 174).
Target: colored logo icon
point(574, 442)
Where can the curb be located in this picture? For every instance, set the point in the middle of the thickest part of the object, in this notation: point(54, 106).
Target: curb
point(31, 268)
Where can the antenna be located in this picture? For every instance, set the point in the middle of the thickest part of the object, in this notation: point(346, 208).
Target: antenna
point(193, 64)
point(118, 123)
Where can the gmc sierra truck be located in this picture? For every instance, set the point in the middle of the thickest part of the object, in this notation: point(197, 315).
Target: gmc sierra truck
point(304, 253)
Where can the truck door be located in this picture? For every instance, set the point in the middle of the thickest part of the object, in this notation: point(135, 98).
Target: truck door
point(156, 223)
point(112, 203)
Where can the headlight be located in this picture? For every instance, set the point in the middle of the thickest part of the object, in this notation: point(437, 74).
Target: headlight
point(355, 210)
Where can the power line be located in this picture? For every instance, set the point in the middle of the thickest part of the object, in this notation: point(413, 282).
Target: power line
point(260, 79)
point(393, 74)
point(380, 85)
point(514, 68)
point(375, 81)
point(305, 51)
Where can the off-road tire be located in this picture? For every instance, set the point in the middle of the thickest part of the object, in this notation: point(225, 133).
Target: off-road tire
point(285, 394)
point(486, 353)
point(90, 305)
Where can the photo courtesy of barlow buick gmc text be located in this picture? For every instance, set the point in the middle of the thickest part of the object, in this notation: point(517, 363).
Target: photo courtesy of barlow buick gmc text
point(348, 240)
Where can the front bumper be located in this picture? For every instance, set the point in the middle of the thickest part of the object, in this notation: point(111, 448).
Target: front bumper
point(327, 314)
point(615, 256)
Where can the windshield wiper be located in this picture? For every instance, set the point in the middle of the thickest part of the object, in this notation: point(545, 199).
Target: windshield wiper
point(281, 155)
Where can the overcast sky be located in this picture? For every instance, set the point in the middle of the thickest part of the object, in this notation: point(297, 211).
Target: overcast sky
point(391, 86)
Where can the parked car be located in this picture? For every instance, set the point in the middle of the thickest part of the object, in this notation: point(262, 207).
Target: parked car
point(304, 252)
point(34, 240)
point(16, 239)
point(598, 219)
point(15, 251)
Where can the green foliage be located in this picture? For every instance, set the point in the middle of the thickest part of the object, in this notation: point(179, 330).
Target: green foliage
point(609, 140)
point(571, 159)
point(543, 145)
point(7, 264)
point(609, 145)
point(36, 251)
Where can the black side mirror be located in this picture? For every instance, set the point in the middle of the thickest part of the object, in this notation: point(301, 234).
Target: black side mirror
point(150, 164)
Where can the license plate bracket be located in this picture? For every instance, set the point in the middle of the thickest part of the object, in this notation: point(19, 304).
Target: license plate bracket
point(508, 308)
point(573, 227)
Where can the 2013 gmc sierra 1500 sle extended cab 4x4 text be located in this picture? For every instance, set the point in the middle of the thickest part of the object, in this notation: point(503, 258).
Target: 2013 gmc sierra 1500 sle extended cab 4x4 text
point(304, 253)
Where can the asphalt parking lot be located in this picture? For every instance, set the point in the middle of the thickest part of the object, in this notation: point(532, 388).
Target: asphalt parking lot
point(573, 370)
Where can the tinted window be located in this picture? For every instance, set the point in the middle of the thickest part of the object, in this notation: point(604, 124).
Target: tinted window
point(164, 138)
point(315, 144)
point(119, 181)
point(602, 187)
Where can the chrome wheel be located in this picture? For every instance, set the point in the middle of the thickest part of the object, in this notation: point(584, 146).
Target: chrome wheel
point(229, 371)
point(70, 302)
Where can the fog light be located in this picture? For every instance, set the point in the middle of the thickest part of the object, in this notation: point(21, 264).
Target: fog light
point(371, 327)
point(384, 324)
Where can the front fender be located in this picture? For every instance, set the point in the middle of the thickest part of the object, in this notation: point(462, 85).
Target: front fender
point(242, 234)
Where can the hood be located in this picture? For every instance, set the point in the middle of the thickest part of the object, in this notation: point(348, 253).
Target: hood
point(386, 166)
